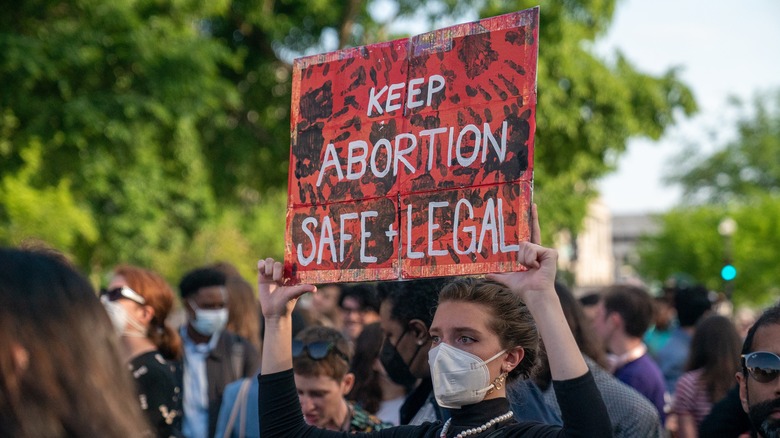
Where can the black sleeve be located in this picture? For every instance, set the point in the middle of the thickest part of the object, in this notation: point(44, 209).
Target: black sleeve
point(280, 414)
point(582, 409)
point(727, 419)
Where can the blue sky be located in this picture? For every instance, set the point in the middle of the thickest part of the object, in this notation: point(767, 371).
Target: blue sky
point(724, 48)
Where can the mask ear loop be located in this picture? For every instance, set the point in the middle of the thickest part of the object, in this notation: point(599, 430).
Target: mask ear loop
point(498, 382)
point(142, 331)
point(419, 343)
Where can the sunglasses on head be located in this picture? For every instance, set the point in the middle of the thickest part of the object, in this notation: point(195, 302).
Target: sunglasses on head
point(122, 292)
point(316, 350)
point(763, 366)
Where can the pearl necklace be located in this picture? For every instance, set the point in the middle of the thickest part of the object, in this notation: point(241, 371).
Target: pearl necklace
point(476, 430)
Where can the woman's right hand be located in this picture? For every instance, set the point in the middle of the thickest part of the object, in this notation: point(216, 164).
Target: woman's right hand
point(276, 299)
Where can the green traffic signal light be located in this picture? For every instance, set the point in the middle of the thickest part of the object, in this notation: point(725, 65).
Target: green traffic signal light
point(728, 273)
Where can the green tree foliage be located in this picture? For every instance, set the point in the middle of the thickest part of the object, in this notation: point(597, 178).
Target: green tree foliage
point(164, 125)
point(587, 107)
point(114, 92)
point(689, 243)
point(48, 212)
point(746, 167)
point(740, 180)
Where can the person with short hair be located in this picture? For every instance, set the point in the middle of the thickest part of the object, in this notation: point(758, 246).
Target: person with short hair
point(664, 324)
point(632, 415)
point(213, 356)
point(359, 306)
point(321, 360)
point(691, 303)
point(759, 385)
point(624, 314)
point(324, 304)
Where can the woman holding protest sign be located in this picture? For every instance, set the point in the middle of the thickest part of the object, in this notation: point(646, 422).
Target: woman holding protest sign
point(483, 335)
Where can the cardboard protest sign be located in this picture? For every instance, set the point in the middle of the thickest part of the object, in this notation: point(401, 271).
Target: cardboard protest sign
point(414, 158)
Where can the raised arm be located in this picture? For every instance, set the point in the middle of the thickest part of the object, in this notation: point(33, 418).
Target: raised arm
point(277, 302)
point(536, 287)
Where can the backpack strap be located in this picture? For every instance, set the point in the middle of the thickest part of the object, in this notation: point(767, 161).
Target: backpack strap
point(239, 408)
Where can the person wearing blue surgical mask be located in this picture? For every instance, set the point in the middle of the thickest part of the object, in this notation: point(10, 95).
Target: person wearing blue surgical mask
point(213, 356)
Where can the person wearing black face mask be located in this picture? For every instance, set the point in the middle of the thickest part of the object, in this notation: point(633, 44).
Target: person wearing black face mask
point(406, 313)
point(395, 365)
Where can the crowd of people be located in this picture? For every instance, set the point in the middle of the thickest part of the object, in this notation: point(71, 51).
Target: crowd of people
point(511, 354)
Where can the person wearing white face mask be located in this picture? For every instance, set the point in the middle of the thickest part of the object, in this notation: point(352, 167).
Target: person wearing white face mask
point(138, 301)
point(213, 356)
point(485, 333)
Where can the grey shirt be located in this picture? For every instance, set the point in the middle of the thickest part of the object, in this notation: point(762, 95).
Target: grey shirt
point(632, 415)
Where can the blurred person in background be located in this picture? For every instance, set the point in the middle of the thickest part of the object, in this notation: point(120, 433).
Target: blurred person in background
point(664, 324)
point(138, 302)
point(61, 372)
point(243, 307)
point(712, 362)
point(631, 414)
point(691, 302)
point(213, 356)
point(624, 314)
point(324, 306)
point(359, 304)
point(744, 318)
point(589, 303)
point(759, 378)
point(373, 390)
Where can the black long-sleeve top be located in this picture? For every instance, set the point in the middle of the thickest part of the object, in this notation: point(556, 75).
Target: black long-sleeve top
point(582, 410)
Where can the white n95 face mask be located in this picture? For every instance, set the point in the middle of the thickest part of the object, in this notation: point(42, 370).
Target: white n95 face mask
point(459, 378)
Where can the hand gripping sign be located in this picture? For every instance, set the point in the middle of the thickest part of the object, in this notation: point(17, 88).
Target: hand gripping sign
point(414, 158)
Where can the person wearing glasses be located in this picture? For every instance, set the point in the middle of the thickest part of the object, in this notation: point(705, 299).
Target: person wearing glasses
point(138, 302)
point(321, 359)
point(485, 334)
point(759, 385)
point(359, 306)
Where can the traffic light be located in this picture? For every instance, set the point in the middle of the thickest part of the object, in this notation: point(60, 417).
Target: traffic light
point(728, 272)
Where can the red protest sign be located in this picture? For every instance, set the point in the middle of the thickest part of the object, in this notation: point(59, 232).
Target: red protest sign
point(414, 157)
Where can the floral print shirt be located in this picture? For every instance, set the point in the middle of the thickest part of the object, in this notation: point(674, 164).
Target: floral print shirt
point(158, 393)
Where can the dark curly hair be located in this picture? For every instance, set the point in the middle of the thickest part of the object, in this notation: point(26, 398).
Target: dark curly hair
point(412, 299)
